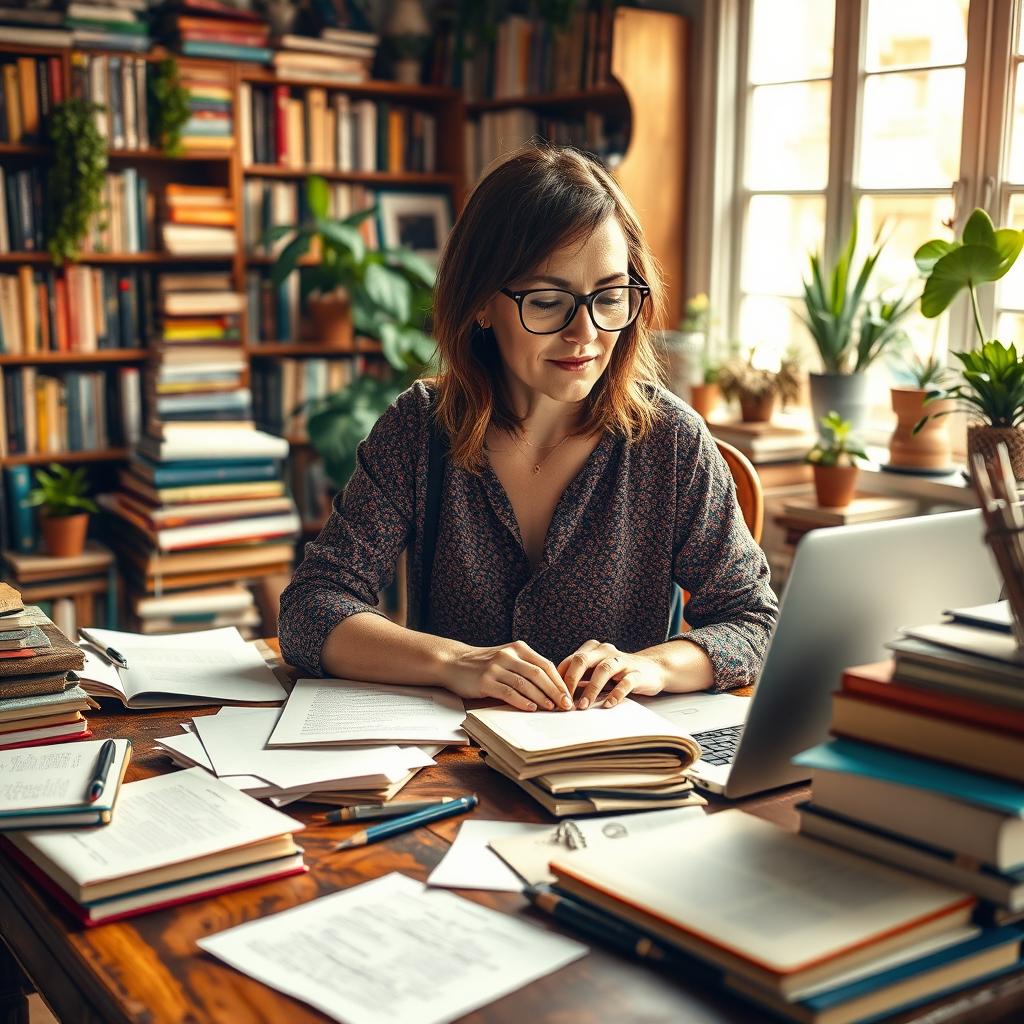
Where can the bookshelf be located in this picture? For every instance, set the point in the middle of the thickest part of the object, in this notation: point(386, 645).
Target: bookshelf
point(228, 169)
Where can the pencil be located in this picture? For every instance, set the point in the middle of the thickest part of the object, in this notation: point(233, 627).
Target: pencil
point(367, 812)
point(407, 822)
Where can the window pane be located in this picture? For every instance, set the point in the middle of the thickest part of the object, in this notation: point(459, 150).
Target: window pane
point(910, 133)
point(1015, 165)
point(779, 234)
point(1011, 287)
point(915, 33)
point(791, 40)
point(1010, 328)
point(771, 325)
point(788, 143)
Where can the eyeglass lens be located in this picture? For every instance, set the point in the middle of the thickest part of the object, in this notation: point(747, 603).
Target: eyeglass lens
point(549, 311)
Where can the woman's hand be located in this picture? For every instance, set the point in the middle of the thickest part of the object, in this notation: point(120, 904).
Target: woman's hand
point(512, 672)
point(627, 673)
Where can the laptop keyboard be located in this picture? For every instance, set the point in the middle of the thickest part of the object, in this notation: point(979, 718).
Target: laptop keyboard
point(719, 745)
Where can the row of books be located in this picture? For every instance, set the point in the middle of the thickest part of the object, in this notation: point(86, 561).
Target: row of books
point(120, 87)
point(73, 412)
point(528, 56)
point(313, 129)
point(24, 215)
point(282, 389)
point(499, 132)
point(82, 309)
point(126, 223)
point(29, 89)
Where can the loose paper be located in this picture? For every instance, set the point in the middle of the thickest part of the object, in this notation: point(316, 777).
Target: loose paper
point(391, 951)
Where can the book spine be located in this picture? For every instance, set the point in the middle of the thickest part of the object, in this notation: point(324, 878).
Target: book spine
point(20, 515)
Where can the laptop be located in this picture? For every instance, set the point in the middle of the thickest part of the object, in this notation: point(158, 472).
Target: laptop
point(850, 590)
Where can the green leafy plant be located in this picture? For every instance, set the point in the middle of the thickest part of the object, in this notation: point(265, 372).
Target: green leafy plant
point(77, 176)
point(391, 291)
point(61, 491)
point(926, 371)
point(837, 447)
point(989, 384)
point(739, 377)
point(850, 330)
point(169, 107)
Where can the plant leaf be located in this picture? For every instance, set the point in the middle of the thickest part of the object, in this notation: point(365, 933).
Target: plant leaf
point(318, 196)
point(967, 265)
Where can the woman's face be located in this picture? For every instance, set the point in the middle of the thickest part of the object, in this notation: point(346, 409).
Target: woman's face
point(566, 365)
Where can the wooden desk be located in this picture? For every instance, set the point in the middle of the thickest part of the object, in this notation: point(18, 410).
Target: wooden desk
point(148, 969)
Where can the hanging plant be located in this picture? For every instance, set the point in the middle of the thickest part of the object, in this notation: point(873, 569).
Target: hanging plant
point(169, 106)
point(77, 176)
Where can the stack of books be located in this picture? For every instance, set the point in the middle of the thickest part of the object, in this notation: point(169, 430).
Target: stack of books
point(801, 928)
point(175, 838)
point(927, 770)
point(40, 699)
point(802, 514)
point(337, 55)
point(111, 25)
point(40, 24)
point(198, 220)
point(30, 87)
point(221, 31)
point(607, 759)
point(211, 124)
point(766, 442)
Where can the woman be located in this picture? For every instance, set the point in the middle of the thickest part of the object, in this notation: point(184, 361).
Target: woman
point(575, 490)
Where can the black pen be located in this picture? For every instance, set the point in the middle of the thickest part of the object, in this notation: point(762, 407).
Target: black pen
point(99, 776)
point(110, 653)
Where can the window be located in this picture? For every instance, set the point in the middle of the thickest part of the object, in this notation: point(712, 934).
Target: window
point(909, 113)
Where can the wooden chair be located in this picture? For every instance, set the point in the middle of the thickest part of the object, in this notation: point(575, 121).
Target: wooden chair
point(749, 497)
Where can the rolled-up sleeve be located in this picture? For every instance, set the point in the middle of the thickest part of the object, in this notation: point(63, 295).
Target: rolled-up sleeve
point(732, 607)
point(355, 555)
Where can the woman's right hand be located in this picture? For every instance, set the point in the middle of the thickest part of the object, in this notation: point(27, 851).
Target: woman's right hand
point(513, 672)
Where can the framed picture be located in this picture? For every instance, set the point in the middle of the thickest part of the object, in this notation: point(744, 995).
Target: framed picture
point(420, 221)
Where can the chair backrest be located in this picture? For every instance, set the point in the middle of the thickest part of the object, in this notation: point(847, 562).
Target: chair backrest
point(748, 488)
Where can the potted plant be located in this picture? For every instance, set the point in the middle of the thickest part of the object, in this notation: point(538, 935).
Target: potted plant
point(989, 384)
point(64, 507)
point(758, 388)
point(684, 352)
point(835, 471)
point(849, 329)
point(930, 449)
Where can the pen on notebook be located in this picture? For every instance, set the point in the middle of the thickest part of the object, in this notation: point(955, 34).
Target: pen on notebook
point(102, 770)
point(367, 812)
point(108, 652)
point(407, 822)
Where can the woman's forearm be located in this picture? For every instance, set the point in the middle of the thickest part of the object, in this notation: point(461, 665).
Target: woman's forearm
point(374, 649)
point(686, 666)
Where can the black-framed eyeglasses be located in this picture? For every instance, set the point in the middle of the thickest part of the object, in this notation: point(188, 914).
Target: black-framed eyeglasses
point(549, 310)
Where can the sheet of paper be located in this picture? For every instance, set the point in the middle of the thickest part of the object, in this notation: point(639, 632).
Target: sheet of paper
point(215, 664)
point(529, 853)
point(166, 819)
point(187, 751)
point(695, 712)
point(98, 670)
point(342, 711)
point(236, 745)
point(471, 864)
point(58, 775)
point(391, 951)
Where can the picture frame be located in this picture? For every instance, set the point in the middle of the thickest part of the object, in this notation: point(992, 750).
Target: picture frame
point(420, 221)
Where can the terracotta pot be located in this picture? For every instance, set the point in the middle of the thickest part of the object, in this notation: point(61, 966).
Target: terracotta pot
point(64, 536)
point(757, 408)
point(835, 485)
point(332, 321)
point(982, 440)
point(930, 447)
point(704, 398)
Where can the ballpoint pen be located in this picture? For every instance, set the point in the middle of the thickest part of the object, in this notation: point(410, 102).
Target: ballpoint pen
point(108, 652)
point(99, 776)
point(408, 822)
point(367, 812)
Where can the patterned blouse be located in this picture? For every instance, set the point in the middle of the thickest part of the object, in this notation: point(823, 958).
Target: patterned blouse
point(637, 516)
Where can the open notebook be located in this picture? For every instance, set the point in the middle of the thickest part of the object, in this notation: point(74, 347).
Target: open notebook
point(216, 666)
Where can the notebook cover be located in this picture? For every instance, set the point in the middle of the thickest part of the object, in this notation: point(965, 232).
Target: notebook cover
point(34, 685)
point(10, 600)
point(87, 735)
point(61, 656)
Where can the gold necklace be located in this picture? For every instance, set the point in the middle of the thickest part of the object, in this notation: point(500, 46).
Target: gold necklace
point(547, 455)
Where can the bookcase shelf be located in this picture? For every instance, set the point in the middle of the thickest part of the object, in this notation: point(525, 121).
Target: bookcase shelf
point(113, 355)
point(389, 178)
point(40, 458)
point(125, 258)
point(17, 149)
point(312, 349)
point(585, 98)
point(370, 89)
point(157, 155)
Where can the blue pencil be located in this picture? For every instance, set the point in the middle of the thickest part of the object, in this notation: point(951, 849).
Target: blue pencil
point(396, 826)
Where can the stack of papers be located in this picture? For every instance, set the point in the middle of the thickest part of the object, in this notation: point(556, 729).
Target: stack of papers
point(232, 745)
point(578, 762)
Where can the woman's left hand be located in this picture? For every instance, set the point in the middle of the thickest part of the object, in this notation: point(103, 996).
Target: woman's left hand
point(627, 673)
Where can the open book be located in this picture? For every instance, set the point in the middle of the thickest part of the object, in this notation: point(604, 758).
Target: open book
point(215, 666)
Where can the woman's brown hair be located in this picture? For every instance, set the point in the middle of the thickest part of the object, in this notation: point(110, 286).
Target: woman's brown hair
point(536, 200)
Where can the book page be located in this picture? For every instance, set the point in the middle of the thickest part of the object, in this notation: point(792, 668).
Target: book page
point(391, 950)
point(56, 776)
point(342, 711)
point(163, 820)
point(215, 664)
point(100, 676)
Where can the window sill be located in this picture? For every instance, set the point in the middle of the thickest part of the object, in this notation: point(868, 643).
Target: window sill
point(954, 489)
